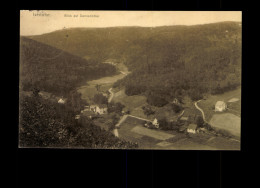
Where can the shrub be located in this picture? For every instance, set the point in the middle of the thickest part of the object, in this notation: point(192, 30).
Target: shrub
point(100, 99)
point(156, 101)
point(199, 121)
point(176, 108)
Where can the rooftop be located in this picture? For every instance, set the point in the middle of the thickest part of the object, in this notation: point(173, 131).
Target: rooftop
point(192, 126)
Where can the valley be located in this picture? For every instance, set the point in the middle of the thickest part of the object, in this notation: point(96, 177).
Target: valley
point(134, 87)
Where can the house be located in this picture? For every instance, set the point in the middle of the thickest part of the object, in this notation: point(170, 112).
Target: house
point(155, 123)
point(220, 106)
point(77, 116)
point(98, 109)
point(192, 128)
point(93, 107)
point(101, 109)
point(176, 101)
point(184, 118)
point(61, 101)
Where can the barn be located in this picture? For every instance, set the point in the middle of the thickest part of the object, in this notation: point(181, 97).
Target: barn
point(220, 106)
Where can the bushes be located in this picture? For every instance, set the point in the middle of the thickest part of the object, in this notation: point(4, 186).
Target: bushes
point(156, 101)
point(100, 99)
point(199, 121)
point(176, 108)
point(47, 124)
point(148, 110)
point(115, 107)
point(134, 89)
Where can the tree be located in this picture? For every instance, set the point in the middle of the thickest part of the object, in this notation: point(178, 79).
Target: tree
point(156, 100)
point(100, 99)
point(199, 121)
point(148, 110)
point(115, 107)
point(97, 87)
point(176, 108)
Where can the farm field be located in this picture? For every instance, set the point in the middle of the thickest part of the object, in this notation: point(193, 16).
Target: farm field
point(209, 103)
point(228, 122)
point(133, 103)
point(132, 130)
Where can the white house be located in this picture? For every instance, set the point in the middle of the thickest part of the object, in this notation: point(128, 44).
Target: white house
point(77, 116)
point(176, 101)
point(99, 109)
point(155, 123)
point(192, 128)
point(61, 101)
point(220, 106)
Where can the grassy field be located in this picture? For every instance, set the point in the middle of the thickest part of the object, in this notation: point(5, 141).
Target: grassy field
point(133, 103)
point(208, 105)
point(89, 89)
point(228, 122)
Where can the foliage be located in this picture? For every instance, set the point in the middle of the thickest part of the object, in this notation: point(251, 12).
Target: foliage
point(148, 110)
point(155, 100)
point(100, 99)
point(176, 108)
point(54, 70)
point(47, 124)
point(199, 121)
point(115, 107)
point(163, 60)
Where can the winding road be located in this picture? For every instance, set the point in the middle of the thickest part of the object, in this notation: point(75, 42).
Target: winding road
point(111, 95)
point(202, 112)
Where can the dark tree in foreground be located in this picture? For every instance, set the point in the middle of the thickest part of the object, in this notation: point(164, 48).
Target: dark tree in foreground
point(47, 124)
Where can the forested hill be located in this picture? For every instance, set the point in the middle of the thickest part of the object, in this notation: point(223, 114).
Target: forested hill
point(166, 61)
point(56, 71)
point(130, 43)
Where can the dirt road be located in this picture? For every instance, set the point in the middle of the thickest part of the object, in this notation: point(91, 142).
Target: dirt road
point(202, 112)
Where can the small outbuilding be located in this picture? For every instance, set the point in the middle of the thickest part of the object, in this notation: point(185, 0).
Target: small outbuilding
point(220, 106)
point(155, 123)
point(192, 128)
point(61, 101)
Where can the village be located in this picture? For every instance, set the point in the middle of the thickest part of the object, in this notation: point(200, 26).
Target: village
point(189, 122)
point(198, 122)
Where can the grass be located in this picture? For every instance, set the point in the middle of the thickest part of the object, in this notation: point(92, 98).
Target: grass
point(133, 103)
point(208, 105)
point(228, 122)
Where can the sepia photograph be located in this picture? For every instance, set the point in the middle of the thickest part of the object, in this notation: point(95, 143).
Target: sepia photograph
point(138, 80)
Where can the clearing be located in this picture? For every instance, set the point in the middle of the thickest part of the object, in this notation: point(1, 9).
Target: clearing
point(208, 105)
point(228, 122)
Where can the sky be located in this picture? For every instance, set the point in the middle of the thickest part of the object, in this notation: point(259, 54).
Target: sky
point(40, 22)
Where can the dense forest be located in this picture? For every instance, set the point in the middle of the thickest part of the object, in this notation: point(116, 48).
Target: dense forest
point(166, 62)
point(56, 71)
point(44, 123)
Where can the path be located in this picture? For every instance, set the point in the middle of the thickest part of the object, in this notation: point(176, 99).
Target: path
point(122, 121)
point(202, 112)
point(111, 95)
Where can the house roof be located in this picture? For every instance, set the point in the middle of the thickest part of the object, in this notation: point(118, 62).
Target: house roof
point(192, 126)
point(184, 118)
point(220, 103)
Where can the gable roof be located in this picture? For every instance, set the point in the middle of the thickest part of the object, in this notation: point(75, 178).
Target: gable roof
point(192, 126)
point(220, 103)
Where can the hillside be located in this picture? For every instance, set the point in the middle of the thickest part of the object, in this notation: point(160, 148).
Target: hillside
point(165, 62)
point(56, 71)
